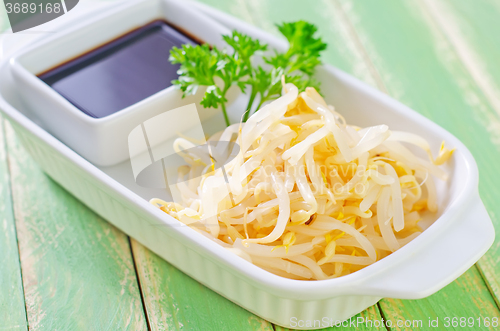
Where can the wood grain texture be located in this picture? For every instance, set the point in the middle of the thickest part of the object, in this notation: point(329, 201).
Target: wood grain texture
point(12, 309)
point(77, 269)
point(472, 29)
point(175, 301)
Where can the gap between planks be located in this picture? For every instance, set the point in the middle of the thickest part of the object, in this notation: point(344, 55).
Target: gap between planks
point(8, 184)
point(139, 285)
point(383, 315)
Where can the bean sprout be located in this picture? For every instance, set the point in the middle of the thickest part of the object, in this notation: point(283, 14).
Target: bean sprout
point(307, 196)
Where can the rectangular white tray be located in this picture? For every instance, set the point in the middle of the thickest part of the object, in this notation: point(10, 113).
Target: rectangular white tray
point(462, 216)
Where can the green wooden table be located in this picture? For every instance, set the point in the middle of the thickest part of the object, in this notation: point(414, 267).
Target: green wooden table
point(64, 268)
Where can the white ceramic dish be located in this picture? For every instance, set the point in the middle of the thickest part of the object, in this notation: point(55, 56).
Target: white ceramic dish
point(421, 268)
point(103, 141)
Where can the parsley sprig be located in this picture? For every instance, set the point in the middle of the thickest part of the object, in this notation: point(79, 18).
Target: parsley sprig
point(218, 70)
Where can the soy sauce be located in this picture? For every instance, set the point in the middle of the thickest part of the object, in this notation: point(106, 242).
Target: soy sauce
point(121, 72)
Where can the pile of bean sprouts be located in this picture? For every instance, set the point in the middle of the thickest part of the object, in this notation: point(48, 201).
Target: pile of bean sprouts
point(307, 196)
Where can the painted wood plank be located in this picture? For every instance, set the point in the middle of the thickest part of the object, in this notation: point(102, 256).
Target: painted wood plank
point(369, 319)
point(467, 298)
point(78, 272)
point(472, 29)
point(175, 301)
point(419, 67)
point(12, 308)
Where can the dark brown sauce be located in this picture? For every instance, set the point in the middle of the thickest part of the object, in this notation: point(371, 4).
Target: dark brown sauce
point(121, 72)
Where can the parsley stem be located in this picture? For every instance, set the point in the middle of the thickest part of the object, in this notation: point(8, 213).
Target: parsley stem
point(226, 118)
point(249, 106)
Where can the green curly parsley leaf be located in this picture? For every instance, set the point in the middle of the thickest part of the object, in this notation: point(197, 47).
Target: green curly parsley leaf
point(218, 70)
